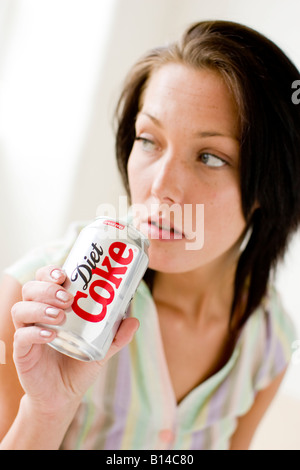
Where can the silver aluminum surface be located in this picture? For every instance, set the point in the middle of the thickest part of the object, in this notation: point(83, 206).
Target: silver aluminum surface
point(104, 269)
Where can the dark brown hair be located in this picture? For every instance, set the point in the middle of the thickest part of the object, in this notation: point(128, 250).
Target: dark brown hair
point(260, 76)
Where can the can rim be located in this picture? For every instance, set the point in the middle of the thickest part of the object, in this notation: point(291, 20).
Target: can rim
point(128, 224)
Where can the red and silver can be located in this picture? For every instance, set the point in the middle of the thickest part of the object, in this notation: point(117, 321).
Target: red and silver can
point(104, 269)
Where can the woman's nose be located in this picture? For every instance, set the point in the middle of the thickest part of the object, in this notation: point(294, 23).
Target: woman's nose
point(168, 183)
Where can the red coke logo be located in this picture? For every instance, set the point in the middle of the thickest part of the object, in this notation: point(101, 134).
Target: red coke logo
point(108, 279)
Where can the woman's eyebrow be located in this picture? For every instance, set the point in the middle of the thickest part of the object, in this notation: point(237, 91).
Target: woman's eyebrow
point(202, 134)
point(153, 118)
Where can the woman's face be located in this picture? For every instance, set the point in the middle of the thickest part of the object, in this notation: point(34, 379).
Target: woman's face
point(184, 166)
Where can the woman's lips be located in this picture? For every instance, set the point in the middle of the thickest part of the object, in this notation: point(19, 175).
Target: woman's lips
point(159, 229)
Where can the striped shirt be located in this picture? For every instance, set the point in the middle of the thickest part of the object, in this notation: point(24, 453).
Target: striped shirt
point(132, 403)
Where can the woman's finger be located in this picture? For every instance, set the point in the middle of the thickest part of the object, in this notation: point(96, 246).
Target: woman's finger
point(47, 292)
point(26, 313)
point(123, 336)
point(26, 338)
point(51, 273)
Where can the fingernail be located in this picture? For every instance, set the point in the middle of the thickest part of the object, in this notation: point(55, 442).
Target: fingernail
point(45, 333)
point(62, 295)
point(52, 312)
point(56, 274)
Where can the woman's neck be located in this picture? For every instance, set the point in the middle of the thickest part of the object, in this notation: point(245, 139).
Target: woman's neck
point(204, 294)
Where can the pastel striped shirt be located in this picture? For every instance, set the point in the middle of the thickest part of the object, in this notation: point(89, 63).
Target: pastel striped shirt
point(132, 405)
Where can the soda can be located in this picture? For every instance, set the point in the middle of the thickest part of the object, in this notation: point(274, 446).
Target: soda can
point(104, 269)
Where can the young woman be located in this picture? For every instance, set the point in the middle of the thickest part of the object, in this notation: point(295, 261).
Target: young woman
point(208, 120)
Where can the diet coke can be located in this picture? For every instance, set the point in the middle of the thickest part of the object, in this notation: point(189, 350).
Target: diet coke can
point(104, 269)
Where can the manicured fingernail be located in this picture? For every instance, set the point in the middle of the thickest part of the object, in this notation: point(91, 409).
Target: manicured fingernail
point(45, 333)
point(56, 274)
point(52, 312)
point(62, 295)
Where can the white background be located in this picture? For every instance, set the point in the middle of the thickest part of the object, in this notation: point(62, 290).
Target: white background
point(62, 63)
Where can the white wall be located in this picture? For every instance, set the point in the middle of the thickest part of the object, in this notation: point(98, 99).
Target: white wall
point(61, 66)
point(50, 56)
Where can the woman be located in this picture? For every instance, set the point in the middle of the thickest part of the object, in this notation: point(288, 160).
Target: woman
point(206, 121)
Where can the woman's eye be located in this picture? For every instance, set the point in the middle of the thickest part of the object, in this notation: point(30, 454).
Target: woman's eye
point(147, 144)
point(211, 160)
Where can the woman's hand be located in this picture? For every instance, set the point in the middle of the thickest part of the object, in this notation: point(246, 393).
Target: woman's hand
point(50, 379)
